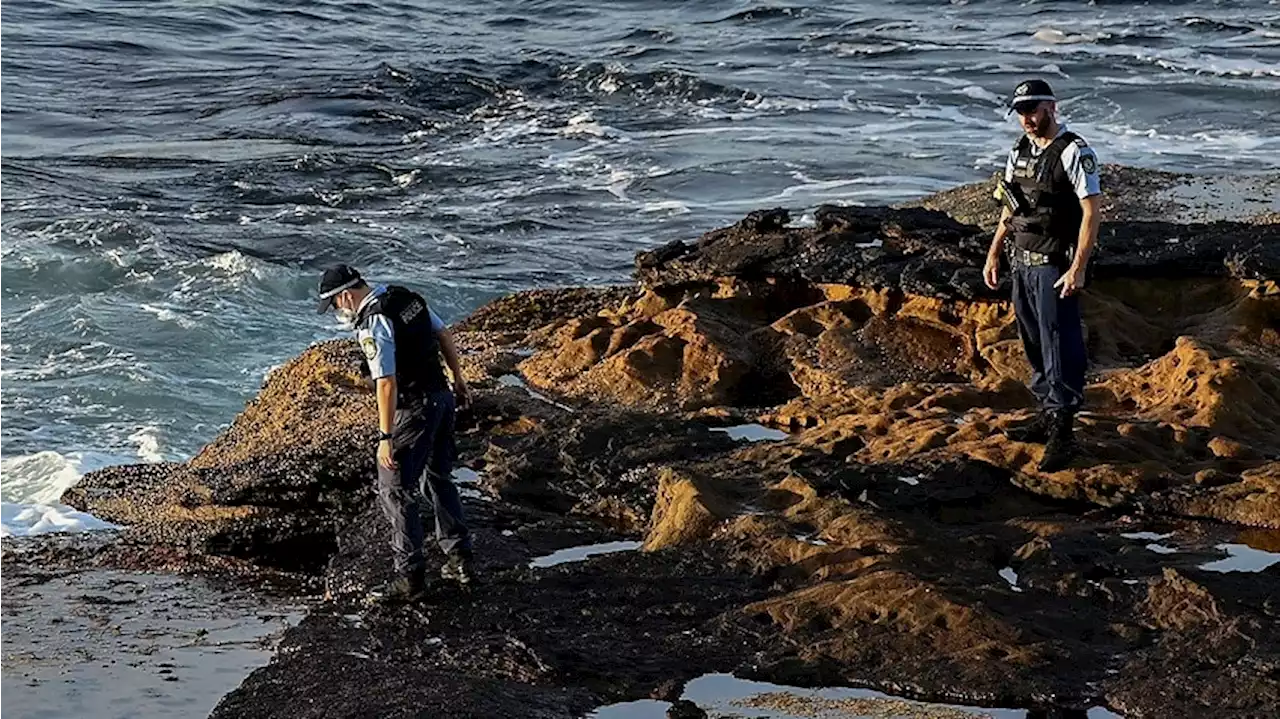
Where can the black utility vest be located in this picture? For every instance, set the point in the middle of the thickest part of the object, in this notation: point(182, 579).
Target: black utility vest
point(418, 369)
point(1053, 224)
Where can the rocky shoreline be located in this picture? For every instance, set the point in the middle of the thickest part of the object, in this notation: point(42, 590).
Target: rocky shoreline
point(888, 536)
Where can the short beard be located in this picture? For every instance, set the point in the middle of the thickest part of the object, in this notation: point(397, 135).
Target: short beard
point(1040, 128)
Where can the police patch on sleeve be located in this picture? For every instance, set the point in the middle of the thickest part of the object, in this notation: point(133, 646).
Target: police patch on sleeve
point(370, 347)
point(1088, 162)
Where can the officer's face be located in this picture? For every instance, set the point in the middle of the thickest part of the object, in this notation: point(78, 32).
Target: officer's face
point(1037, 119)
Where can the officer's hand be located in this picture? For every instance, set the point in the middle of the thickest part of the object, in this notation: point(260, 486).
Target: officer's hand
point(991, 272)
point(1071, 281)
point(385, 458)
point(463, 394)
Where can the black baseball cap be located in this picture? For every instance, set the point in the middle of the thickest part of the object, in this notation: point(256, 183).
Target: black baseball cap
point(335, 280)
point(1030, 93)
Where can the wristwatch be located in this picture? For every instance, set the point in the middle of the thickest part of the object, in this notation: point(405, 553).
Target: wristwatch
point(385, 436)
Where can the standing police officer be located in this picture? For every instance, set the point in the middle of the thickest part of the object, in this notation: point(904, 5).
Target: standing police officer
point(1051, 196)
point(402, 340)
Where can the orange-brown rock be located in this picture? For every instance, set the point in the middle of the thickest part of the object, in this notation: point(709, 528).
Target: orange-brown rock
point(910, 610)
point(692, 355)
point(1253, 499)
point(686, 510)
point(1194, 386)
point(1174, 602)
point(270, 487)
point(304, 406)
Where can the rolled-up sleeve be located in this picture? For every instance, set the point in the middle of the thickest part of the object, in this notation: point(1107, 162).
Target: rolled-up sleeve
point(378, 342)
point(437, 324)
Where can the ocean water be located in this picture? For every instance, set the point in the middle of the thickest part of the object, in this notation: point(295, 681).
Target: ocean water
point(175, 175)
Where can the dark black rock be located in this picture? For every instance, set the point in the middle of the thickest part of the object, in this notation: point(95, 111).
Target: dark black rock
point(926, 252)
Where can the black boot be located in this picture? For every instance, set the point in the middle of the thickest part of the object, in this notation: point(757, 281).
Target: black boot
point(458, 568)
point(1061, 446)
point(1037, 430)
point(406, 588)
point(685, 709)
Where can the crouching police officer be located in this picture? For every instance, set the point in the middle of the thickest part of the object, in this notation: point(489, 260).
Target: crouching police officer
point(1051, 197)
point(402, 339)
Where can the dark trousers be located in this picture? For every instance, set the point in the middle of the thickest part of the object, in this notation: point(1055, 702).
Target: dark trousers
point(1051, 336)
point(423, 449)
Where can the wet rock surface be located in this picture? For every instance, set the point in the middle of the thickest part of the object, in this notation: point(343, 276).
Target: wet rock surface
point(118, 643)
point(611, 627)
point(894, 538)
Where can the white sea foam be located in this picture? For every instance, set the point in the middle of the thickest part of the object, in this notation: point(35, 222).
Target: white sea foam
point(41, 478)
point(88, 359)
point(619, 181)
point(25, 520)
point(980, 93)
point(1214, 65)
point(1177, 59)
point(857, 49)
point(1122, 141)
point(1053, 36)
point(32, 484)
point(210, 276)
point(165, 314)
point(232, 263)
point(852, 189)
point(807, 219)
point(148, 439)
point(673, 207)
point(585, 124)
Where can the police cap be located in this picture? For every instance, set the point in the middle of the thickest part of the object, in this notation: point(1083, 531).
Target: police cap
point(1030, 93)
point(335, 280)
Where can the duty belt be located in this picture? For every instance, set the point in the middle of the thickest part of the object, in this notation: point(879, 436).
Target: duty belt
point(1027, 258)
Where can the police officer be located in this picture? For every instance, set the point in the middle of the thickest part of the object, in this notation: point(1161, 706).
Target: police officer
point(402, 340)
point(1050, 219)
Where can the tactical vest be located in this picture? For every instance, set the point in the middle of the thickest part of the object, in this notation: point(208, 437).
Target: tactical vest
point(1053, 224)
point(418, 369)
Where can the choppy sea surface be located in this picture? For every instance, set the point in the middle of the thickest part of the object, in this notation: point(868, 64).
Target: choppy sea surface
point(176, 174)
